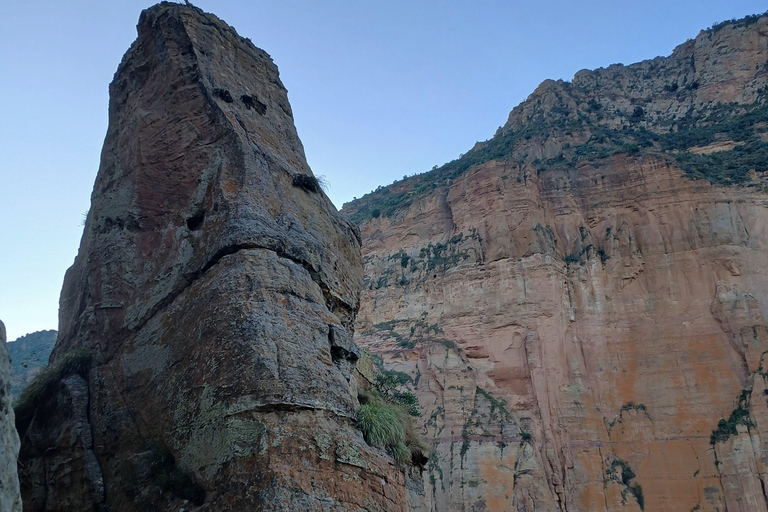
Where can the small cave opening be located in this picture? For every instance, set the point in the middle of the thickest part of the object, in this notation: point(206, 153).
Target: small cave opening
point(252, 102)
point(223, 94)
point(338, 354)
point(195, 222)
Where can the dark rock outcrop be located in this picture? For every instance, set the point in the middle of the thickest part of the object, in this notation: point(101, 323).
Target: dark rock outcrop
point(10, 499)
point(215, 289)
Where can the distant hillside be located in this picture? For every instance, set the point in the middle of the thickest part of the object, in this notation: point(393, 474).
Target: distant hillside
point(29, 354)
point(702, 109)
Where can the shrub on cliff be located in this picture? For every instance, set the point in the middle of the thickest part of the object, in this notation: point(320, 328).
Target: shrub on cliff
point(739, 416)
point(310, 183)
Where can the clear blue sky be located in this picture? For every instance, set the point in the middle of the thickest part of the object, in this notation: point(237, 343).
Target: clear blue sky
point(379, 89)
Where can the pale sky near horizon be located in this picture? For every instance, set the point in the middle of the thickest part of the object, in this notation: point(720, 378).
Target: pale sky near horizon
point(379, 90)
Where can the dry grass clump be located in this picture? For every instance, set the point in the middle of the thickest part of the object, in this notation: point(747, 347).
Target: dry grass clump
point(310, 183)
point(388, 425)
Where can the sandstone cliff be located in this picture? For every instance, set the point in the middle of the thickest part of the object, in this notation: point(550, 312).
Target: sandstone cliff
point(204, 355)
point(581, 302)
point(10, 499)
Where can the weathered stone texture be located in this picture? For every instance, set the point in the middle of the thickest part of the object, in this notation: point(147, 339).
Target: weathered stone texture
point(59, 470)
point(217, 292)
point(576, 333)
point(10, 498)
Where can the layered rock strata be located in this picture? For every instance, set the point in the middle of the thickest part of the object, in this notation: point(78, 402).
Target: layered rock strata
point(10, 498)
point(581, 302)
point(211, 304)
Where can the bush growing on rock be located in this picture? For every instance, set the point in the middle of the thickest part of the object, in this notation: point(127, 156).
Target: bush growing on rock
point(387, 425)
point(310, 183)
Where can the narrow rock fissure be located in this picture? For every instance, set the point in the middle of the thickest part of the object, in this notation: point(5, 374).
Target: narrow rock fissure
point(103, 498)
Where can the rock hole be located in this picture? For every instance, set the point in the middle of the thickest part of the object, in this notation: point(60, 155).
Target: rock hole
point(342, 347)
point(196, 221)
point(338, 353)
point(418, 458)
point(252, 102)
point(223, 94)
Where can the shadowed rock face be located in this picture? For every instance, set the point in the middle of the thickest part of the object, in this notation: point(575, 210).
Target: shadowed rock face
point(576, 314)
point(10, 499)
point(212, 282)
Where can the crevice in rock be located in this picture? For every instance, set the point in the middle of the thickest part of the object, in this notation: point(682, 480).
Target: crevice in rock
point(342, 346)
point(89, 425)
point(335, 305)
point(450, 210)
point(292, 407)
point(196, 221)
point(344, 351)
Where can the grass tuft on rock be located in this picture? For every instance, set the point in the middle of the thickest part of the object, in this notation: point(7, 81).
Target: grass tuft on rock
point(381, 423)
point(310, 183)
point(402, 453)
point(44, 384)
point(388, 425)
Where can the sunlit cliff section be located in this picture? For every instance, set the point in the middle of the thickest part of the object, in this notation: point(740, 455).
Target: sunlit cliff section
point(581, 302)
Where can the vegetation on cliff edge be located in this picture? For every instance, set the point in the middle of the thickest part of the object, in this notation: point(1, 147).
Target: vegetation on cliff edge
point(739, 416)
point(45, 382)
point(622, 473)
point(588, 131)
point(386, 412)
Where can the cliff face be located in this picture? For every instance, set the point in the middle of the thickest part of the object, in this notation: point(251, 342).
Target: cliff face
point(581, 302)
point(204, 354)
point(10, 499)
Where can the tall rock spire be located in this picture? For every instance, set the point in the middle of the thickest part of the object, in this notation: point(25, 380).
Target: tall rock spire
point(212, 280)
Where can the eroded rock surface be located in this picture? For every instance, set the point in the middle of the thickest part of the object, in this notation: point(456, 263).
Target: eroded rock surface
point(10, 498)
point(575, 312)
point(216, 288)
